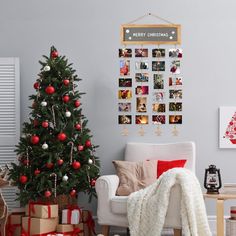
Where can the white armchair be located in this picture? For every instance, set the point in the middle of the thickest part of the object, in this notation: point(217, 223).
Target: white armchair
point(112, 209)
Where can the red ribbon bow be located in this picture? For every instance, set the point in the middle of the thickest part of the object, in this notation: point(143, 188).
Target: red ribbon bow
point(90, 222)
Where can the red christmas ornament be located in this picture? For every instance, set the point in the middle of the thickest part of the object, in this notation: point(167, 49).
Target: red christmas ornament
point(77, 103)
point(37, 172)
point(88, 143)
point(76, 165)
point(26, 162)
point(54, 54)
point(36, 85)
point(23, 179)
point(47, 193)
point(62, 137)
point(60, 162)
point(66, 82)
point(66, 98)
point(36, 123)
point(50, 90)
point(93, 182)
point(44, 124)
point(80, 147)
point(34, 139)
point(49, 165)
point(72, 192)
point(78, 126)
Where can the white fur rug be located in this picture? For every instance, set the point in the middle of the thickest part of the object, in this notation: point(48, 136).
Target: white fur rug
point(147, 208)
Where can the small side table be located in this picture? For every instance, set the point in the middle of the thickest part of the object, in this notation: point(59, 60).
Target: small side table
point(220, 198)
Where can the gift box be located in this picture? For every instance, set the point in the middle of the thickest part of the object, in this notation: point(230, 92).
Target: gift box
point(88, 223)
point(64, 228)
point(13, 226)
point(43, 211)
point(69, 230)
point(71, 216)
point(35, 226)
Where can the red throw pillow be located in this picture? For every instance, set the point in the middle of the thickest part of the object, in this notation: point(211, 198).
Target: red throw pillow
point(163, 166)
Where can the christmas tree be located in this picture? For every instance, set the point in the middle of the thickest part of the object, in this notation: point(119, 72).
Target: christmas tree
point(55, 152)
point(230, 132)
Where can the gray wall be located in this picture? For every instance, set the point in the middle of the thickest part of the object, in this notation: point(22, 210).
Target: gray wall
point(88, 33)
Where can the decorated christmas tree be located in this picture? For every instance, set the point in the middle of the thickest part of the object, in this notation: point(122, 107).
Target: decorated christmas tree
point(230, 132)
point(55, 152)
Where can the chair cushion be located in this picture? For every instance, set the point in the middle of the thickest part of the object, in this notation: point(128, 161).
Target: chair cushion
point(119, 204)
point(134, 176)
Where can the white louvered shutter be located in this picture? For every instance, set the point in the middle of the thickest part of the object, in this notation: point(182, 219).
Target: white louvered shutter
point(9, 118)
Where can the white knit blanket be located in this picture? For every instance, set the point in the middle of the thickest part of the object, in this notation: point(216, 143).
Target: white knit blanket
point(147, 208)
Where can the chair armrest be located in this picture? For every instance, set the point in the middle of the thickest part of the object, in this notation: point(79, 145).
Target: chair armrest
point(107, 185)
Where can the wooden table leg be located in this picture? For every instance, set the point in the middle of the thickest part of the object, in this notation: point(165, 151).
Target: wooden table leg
point(220, 217)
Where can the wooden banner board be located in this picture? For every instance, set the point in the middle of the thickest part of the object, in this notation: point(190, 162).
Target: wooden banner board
point(151, 34)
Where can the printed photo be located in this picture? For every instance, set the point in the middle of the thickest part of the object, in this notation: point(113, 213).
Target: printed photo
point(141, 90)
point(175, 106)
point(125, 52)
point(159, 107)
point(123, 82)
point(125, 94)
point(175, 81)
point(158, 65)
point(141, 120)
point(175, 67)
point(158, 120)
point(176, 53)
point(158, 52)
point(158, 96)
point(124, 67)
point(158, 81)
point(175, 119)
point(141, 104)
point(124, 120)
point(141, 52)
point(141, 65)
point(141, 77)
point(176, 93)
point(124, 106)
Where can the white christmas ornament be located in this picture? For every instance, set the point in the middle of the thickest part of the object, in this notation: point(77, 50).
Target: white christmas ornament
point(65, 178)
point(44, 104)
point(68, 114)
point(90, 161)
point(46, 68)
point(44, 146)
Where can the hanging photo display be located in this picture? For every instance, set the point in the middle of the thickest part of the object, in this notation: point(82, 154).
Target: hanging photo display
point(150, 77)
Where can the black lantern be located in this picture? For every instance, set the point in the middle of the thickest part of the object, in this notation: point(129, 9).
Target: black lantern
point(212, 181)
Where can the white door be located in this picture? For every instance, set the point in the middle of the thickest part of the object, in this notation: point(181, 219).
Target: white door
point(9, 118)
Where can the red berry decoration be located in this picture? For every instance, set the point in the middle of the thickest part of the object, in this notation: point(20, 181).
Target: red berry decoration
point(66, 82)
point(49, 165)
point(77, 103)
point(78, 126)
point(47, 193)
point(62, 137)
point(26, 162)
point(50, 90)
point(72, 192)
point(93, 182)
point(60, 162)
point(37, 172)
point(88, 143)
point(34, 139)
point(76, 165)
point(36, 85)
point(23, 179)
point(45, 124)
point(54, 54)
point(66, 98)
point(80, 147)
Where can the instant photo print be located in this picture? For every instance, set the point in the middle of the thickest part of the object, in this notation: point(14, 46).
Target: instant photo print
point(124, 107)
point(125, 82)
point(141, 77)
point(158, 65)
point(175, 119)
point(125, 52)
point(141, 90)
point(176, 94)
point(141, 119)
point(175, 81)
point(141, 104)
point(175, 67)
point(175, 106)
point(176, 53)
point(158, 81)
point(141, 65)
point(158, 119)
point(141, 52)
point(159, 107)
point(124, 67)
point(158, 52)
point(125, 94)
point(124, 119)
point(158, 96)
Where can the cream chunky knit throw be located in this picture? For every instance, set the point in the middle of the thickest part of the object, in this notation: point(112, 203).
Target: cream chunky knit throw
point(147, 208)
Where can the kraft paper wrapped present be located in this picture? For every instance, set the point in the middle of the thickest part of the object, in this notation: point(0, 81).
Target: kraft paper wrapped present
point(70, 230)
point(43, 211)
point(13, 227)
point(71, 216)
point(39, 226)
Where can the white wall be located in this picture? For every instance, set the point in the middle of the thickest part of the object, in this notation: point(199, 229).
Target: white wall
point(88, 33)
